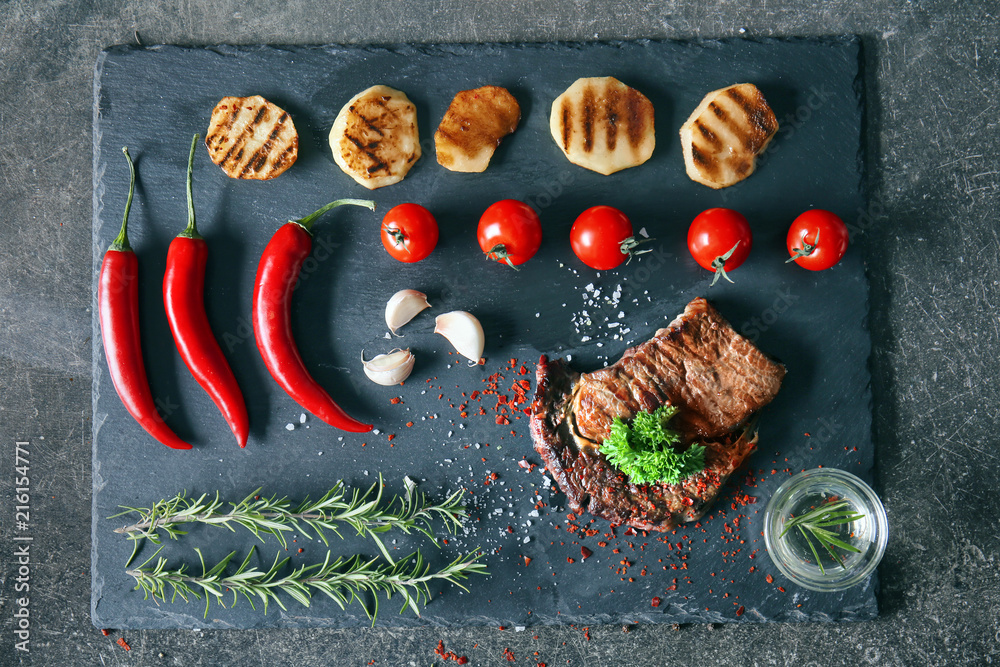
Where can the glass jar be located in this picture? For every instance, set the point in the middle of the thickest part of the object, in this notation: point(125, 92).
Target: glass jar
point(791, 553)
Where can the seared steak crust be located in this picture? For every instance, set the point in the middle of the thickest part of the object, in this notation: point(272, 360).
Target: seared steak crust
point(699, 349)
point(698, 363)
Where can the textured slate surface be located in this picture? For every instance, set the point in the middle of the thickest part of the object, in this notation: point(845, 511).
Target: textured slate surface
point(154, 99)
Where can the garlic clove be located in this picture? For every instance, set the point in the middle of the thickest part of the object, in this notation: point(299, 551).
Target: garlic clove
point(464, 331)
point(389, 369)
point(403, 306)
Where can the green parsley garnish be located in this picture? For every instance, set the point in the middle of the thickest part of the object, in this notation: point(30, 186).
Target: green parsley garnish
point(644, 451)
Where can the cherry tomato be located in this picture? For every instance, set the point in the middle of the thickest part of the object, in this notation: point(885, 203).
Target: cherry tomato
point(602, 238)
point(720, 240)
point(817, 240)
point(509, 231)
point(409, 232)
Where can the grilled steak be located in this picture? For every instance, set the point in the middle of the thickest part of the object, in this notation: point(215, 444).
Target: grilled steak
point(699, 364)
point(473, 126)
point(374, 138)
point(724, 135)
point(603, 125)
point(251, 138)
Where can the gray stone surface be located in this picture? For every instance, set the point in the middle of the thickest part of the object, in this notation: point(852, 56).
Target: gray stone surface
point(931, 246)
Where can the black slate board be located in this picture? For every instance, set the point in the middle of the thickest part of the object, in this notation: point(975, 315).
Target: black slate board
point(153, 99)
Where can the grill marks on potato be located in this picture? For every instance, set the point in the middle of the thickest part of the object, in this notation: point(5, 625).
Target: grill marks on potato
point(374, 138)
point(251, 138)
point(724, 135)
point(472, 128)
point(603, 125)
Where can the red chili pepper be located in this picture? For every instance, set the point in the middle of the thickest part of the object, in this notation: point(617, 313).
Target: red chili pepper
point(183, 290)
point(277, 274)
point(118, 305)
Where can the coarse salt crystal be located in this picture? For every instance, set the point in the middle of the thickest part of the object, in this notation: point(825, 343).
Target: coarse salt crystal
point(289, 427)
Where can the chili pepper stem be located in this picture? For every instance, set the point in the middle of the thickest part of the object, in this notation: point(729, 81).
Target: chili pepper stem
point(191, 231)
point(306, 223)
point(121, 241)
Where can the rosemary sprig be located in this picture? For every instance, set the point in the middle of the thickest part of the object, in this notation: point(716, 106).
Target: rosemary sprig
point(344, 581)
point(815, 523)
point(277, 516)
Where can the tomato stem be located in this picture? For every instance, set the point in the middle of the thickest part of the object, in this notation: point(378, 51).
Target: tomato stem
point(627, 247)
point(500, 254)
point(398, 237)
point(191, 231)
point(805, 250)
point(719, 264)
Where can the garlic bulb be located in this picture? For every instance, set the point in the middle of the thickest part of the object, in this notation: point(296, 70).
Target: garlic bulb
point(389, 369)
point(403, 306)
point(464, 331)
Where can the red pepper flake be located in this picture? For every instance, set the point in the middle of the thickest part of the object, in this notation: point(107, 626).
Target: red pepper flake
point(586, 634)
point(301, 550)
point(781, 588)
point(769, 579)
point(656, 602)
point(124, 644)
point(391, 436)
point(105, 632)
point(585, 553)
point(503, 421)
point(462, 660)
point(739, 612)
point(527, 561)
point(507, 653)
point(396, 400)
point(570, 560)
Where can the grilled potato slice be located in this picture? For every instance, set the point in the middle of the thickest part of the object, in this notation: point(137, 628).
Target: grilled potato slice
point(251, 138)
point(724, 135)
point(374, 139)
point(603, 125)
point(473, 126)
